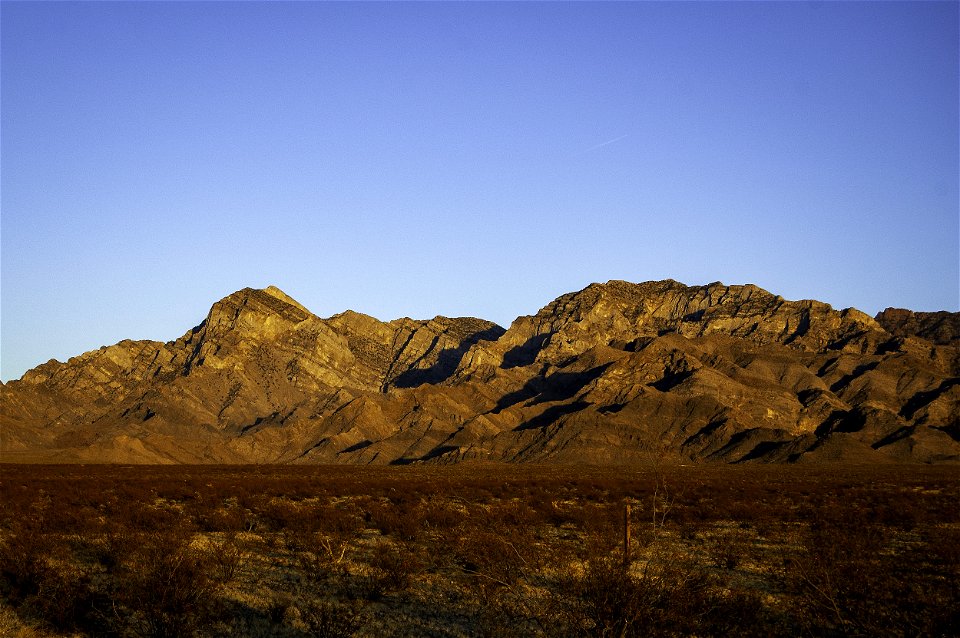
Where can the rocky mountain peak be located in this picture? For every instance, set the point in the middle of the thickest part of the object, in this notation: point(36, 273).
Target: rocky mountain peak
point(240, 323)
point(351, 321)
point(252, 313)
point(620, 312)
point(616, 372)
point(256, 306)
point(939, 327)
point(273, 291)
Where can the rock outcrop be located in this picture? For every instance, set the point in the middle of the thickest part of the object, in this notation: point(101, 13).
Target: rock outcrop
point(942, 328)
point(614, 373)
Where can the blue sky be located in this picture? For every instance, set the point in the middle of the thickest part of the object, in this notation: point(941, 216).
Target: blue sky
point(465, 159)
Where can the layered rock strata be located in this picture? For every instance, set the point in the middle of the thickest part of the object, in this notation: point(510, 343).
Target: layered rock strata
point(615, 373)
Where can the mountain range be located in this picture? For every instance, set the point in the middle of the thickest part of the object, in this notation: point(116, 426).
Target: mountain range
point(616, 373)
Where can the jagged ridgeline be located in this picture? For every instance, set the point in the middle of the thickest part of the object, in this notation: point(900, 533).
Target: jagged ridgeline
point(614, 373)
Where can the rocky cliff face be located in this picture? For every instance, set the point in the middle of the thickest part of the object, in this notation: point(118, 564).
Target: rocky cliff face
point(942, 328)
point(614, 373)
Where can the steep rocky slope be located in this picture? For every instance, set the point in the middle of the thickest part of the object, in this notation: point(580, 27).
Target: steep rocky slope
point(614, 373)
point(942, 328)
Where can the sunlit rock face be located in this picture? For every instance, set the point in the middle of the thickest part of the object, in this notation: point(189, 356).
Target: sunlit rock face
point(615, 373)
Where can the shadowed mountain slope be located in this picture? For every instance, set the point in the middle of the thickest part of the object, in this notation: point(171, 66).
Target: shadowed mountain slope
point(942, 328)
point(615, 373)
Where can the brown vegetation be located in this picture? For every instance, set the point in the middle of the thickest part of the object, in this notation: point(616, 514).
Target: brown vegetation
point(478, 551)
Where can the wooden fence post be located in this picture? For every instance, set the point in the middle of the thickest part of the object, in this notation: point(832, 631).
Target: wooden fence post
point(626, 535)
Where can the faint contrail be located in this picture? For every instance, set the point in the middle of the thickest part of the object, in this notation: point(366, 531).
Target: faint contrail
point(608, 142)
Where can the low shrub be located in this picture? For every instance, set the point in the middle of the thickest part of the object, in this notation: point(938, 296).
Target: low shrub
point(167, 587)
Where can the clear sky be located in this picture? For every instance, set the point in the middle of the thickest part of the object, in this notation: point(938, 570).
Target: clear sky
point(465, 159)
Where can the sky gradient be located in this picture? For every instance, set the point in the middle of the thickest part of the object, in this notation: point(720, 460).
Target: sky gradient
point(465, 159)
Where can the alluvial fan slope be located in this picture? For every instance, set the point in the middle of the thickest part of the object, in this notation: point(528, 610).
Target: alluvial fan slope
point(614, 373)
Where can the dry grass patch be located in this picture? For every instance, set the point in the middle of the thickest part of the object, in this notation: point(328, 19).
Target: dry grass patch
point(478, 551)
